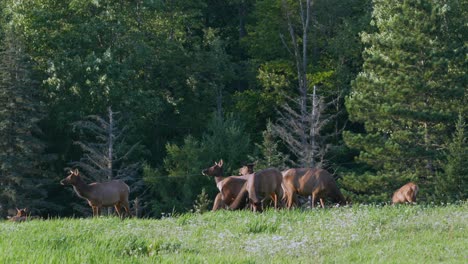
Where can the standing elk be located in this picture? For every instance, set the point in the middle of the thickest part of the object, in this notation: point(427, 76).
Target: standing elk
point(261, 185)
point(406, 194)
point(229, 187)
point(308, 181)
point(112, 193)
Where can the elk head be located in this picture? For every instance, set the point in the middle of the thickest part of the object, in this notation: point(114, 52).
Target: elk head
point(21, 212)
point(247, 169)
point(215, 170)
point(72, 178)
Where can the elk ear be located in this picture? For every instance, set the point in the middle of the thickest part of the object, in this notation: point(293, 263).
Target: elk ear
point(76, 172)
point(220, 163)
point(17, 210)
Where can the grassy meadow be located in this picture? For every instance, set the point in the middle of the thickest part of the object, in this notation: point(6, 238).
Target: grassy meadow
point(358, 234)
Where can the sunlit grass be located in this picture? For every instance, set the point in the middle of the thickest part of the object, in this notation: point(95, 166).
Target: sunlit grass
point(361, 234)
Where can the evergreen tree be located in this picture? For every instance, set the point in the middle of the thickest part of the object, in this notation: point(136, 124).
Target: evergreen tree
point(409, 91)
point(225, 139)
point(22, 159)
point(202, 202)
point(452, 184)
point(269, 154)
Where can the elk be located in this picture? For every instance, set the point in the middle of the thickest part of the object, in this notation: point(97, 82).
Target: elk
point(20, 216)
point(260, 186)
point(234, 186)
point(229, 187)
point(406, 194)
point(247, 169)
point(112, 193)
point(318, 183)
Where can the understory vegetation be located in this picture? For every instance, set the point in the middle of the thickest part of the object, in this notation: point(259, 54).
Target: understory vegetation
point(152, 92)
point(358, 234)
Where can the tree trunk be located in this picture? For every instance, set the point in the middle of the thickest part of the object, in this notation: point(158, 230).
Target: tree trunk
point(110, 152)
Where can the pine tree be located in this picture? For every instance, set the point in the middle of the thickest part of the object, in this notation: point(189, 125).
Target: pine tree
point(453, 183)
point(409, 91)
point(22, 159)
point(202, 202)
point(269, 154)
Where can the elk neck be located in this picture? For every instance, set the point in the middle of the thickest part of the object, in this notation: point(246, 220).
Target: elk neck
point(218, 180)
point(81, 188)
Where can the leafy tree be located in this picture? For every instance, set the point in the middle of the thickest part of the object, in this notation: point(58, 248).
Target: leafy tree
point(23, 162)
point(409, 91)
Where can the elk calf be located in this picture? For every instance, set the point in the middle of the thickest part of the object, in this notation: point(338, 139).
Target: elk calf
point(112, 193)
point(406, 194)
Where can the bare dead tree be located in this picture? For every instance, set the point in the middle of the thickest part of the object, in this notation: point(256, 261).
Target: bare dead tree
point(302, 118)
point(302, 133)
point(299, 51)
point(105, 150)
point(296, 128)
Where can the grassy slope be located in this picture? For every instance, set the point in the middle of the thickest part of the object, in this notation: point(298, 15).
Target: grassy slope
point(406, 234)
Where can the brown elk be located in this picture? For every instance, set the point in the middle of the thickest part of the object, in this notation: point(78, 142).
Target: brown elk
point(247, 169)
point(234, 185)
point(229, 187)
point(20, 216)
point(308, 181)
point(112, 193)
point(261, 185)
point(406, 194)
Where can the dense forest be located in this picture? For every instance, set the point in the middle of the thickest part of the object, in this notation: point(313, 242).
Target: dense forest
point(154, 91)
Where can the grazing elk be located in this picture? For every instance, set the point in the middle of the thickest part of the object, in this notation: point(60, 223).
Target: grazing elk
point(229, 187)
point(406, 194)
point(112, 193)
point(261, 185)
point(20, 216)
point(308, 181)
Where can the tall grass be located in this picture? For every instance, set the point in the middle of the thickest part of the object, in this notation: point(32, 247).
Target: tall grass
point(360, 234)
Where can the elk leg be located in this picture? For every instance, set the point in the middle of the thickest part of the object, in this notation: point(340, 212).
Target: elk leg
point(274, 197)
point(322, 203)
point(218, 203)
point(289, 199)
point(94, 210)
point(126, 206)
point(313, 200)
point(117, 209)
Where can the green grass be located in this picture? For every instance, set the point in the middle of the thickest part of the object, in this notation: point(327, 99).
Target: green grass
point(361, 234)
